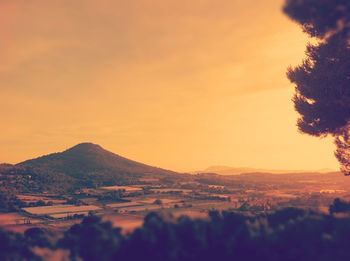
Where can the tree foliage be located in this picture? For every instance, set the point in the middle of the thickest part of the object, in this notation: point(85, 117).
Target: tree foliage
point(339, 206)
point(322, 81)
point(288, 234)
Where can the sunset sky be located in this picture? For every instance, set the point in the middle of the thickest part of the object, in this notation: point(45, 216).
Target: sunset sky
point(177, 84)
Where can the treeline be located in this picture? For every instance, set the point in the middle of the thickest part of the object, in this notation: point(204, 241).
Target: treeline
point(288, 234)
point(9, 202)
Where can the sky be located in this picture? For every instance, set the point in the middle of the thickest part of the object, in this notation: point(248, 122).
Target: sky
point(177, 84)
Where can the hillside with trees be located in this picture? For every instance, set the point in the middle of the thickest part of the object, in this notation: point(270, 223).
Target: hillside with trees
point(85, 165)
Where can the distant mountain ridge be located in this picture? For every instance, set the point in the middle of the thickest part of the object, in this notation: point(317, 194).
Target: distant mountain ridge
point(84, 165)
point(226, 170)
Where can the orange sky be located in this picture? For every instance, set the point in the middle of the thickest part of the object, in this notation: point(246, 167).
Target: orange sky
point(172, 83)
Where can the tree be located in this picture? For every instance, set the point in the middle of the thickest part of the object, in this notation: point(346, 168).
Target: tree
point(158, 202)
point(92, 240)
point(339, 206)
point(322, 81)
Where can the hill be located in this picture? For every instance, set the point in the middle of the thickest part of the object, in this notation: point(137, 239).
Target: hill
point(84, 165)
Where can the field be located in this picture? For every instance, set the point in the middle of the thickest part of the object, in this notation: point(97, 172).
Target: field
point(17, 222)
point(124, 204)
point(164, 200)
point(36, 198)
point(140, 204)
point(190, 213)
point(126, 188)
point(59, 211)
point(279, 194)
point(12, 219)
point(141, 208)
point(168, 190)
point(128, 222)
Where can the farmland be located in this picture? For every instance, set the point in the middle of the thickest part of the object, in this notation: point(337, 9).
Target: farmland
point(13, 219)
point(35, 198)
point(126, 205)
point(174, 190)
point(125, 188)
point(59, 211)
point(128, 222)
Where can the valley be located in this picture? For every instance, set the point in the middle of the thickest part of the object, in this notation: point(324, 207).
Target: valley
point(126, 206)
point(47, 193)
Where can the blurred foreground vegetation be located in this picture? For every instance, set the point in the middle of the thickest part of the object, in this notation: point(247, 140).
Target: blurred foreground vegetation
point(288, 234)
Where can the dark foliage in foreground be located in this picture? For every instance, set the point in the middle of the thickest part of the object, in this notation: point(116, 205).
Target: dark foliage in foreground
point(322, 92)
point(288, 234)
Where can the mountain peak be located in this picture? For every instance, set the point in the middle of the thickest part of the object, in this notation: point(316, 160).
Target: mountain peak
point(88, 164)
point(85, 146)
